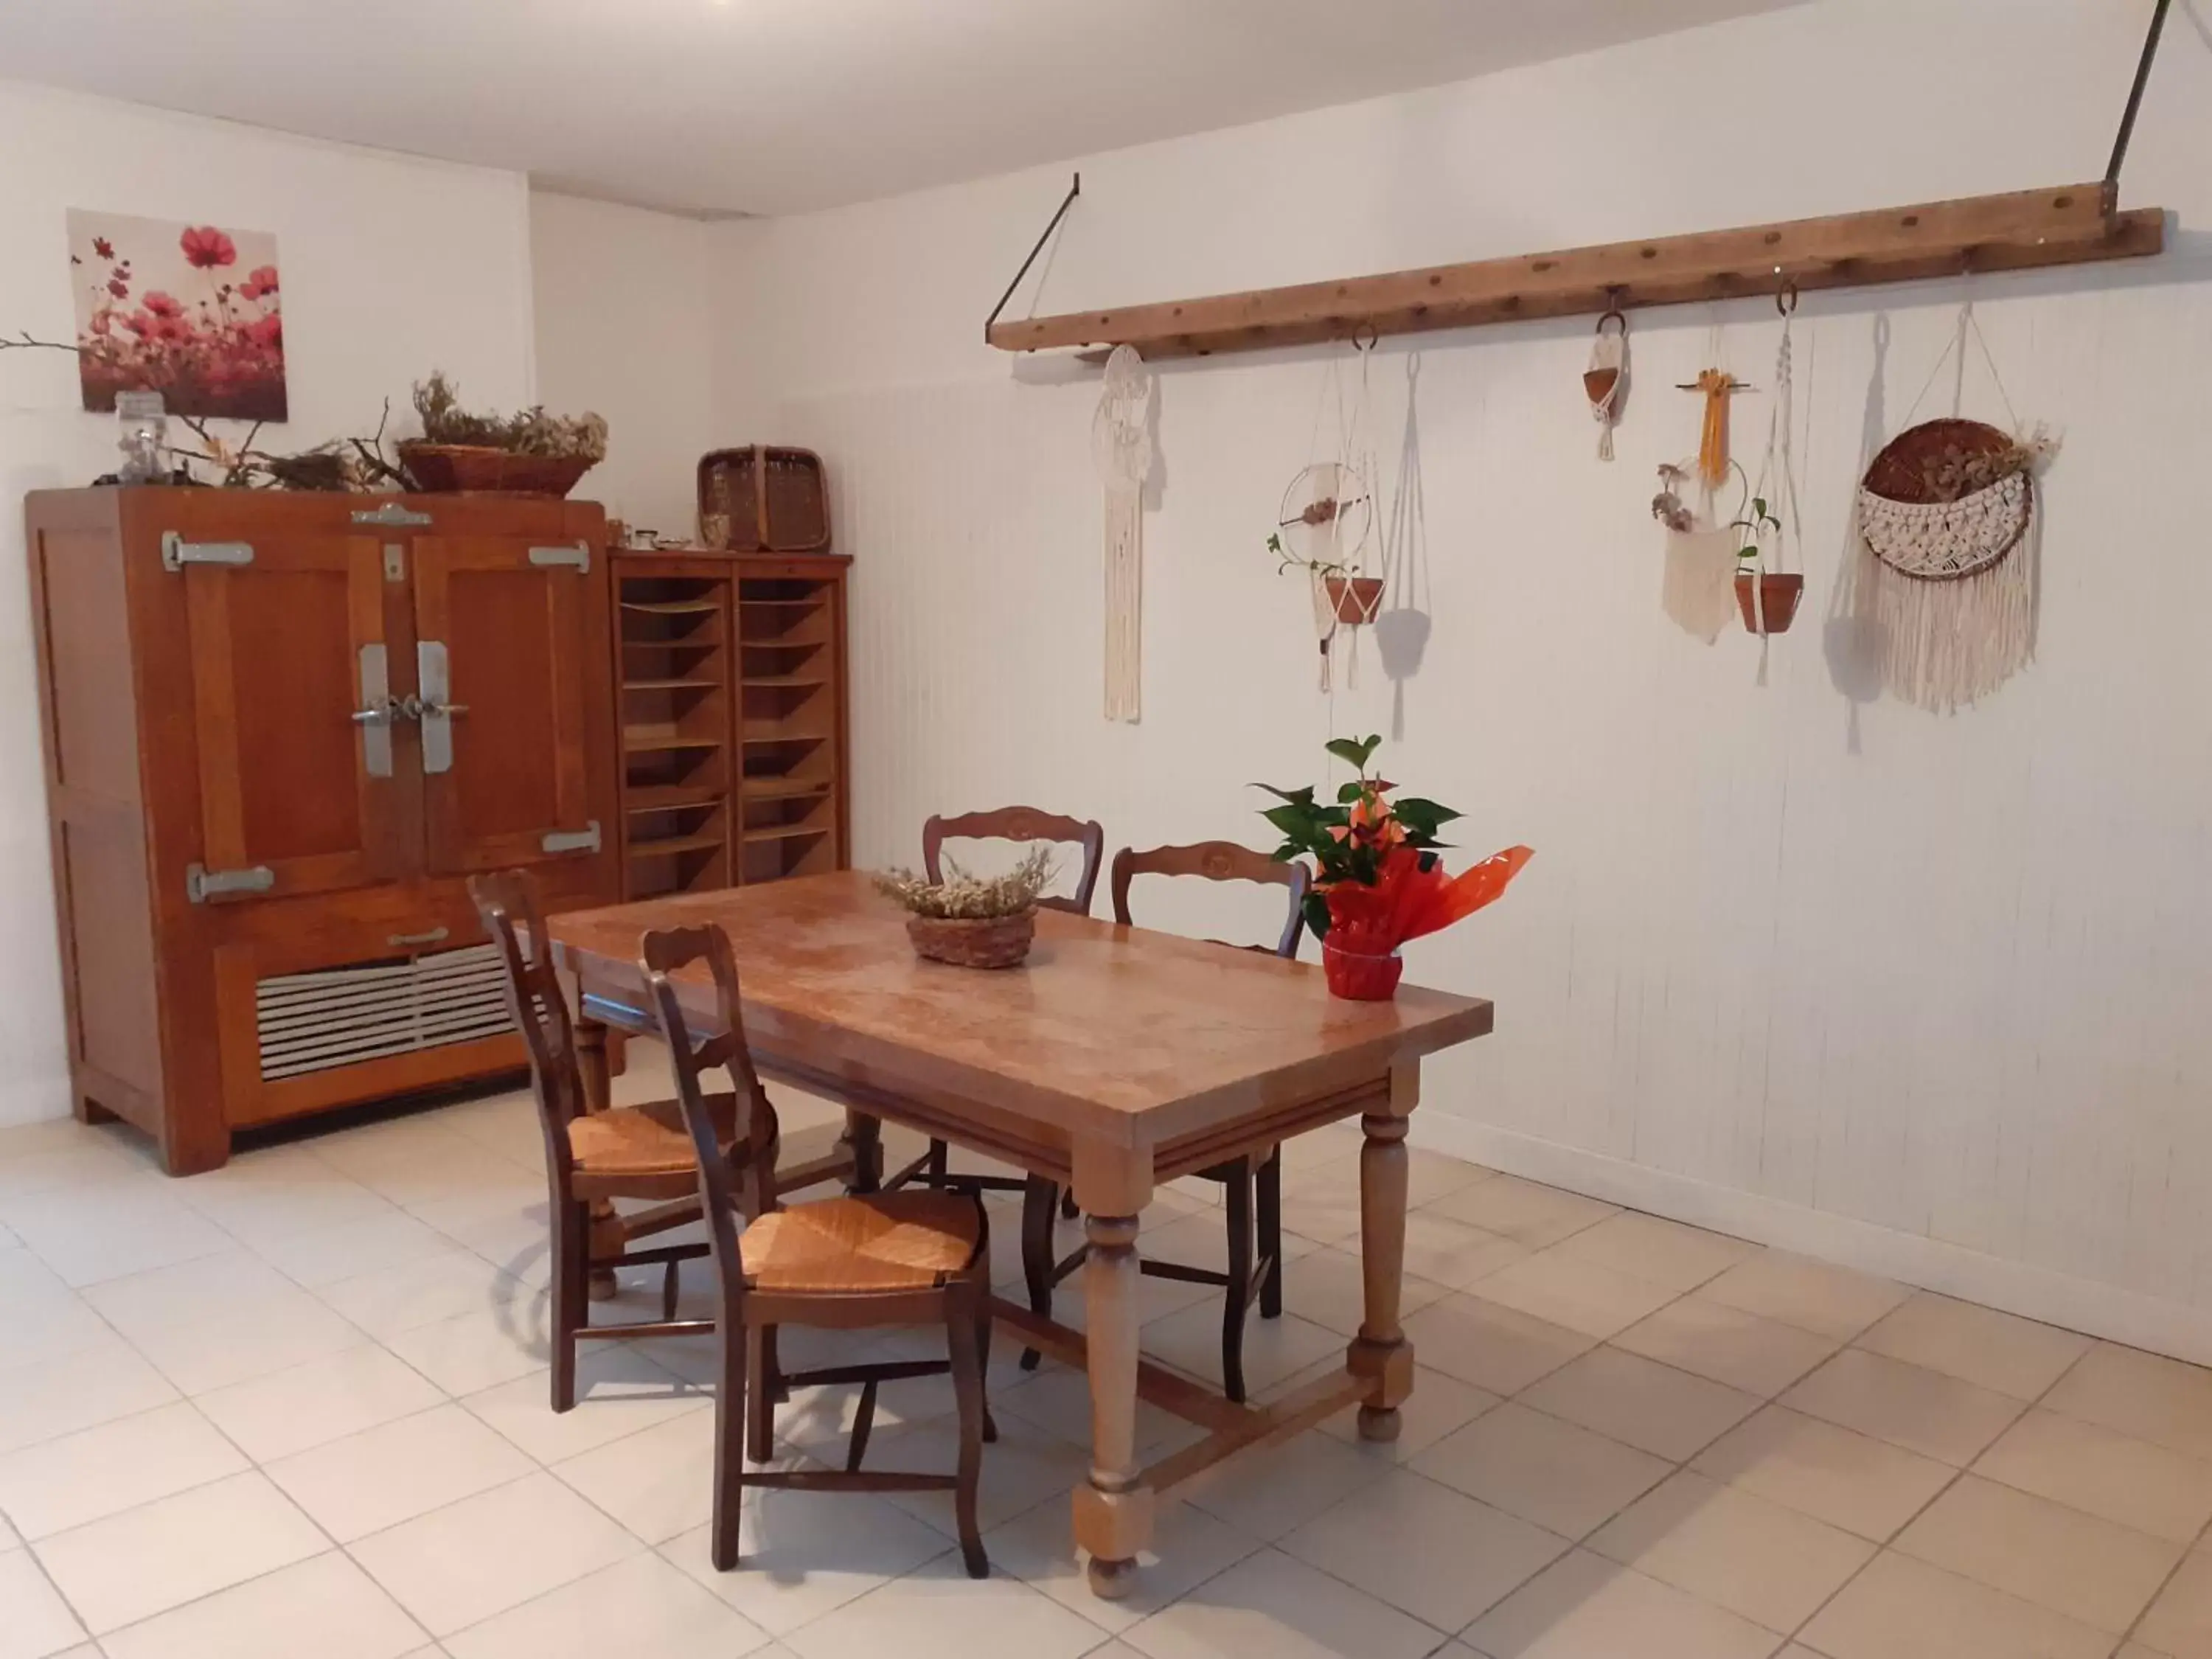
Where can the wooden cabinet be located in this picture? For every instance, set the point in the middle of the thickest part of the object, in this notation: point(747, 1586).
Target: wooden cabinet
point(732, 685)
point(279, 731)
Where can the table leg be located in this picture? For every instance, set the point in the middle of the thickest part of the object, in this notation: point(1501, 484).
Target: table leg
point(592, 1067)
point(864, 1140)
point(1113, 1513)
point(1381, 1354)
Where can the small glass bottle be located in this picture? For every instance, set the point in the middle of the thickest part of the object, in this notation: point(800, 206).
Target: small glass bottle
point(144, 421)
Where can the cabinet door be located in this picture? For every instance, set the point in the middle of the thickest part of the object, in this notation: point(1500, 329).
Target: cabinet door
point(288, 645)
point(502, 672)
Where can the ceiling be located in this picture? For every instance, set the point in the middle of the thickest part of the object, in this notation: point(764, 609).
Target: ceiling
point(729, 107)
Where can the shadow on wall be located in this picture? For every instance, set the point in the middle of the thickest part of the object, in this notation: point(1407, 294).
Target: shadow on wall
point(1852, 638)
point(1401, 631)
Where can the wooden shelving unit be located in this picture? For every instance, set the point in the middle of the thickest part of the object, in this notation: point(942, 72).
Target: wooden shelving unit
point(733, 682)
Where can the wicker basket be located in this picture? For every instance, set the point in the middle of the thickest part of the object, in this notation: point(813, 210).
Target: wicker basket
point(772, 499)
point(974, 942)
point(451, 469)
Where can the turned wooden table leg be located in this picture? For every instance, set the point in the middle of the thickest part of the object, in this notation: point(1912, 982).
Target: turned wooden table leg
point(863, 1140)
point(592, 1067)
point(1114, 1511)
point(1380, 1354)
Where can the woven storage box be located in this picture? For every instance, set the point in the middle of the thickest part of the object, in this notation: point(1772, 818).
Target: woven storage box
point(774, 500)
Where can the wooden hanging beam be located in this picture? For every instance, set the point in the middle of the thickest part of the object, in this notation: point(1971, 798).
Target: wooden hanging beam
point(2074, 224)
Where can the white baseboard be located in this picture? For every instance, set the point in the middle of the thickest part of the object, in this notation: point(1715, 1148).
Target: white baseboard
point(2032, 1292)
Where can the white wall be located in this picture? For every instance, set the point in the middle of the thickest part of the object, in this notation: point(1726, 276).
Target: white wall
point(623, 327)
point(392, 266)
point(1922, 992)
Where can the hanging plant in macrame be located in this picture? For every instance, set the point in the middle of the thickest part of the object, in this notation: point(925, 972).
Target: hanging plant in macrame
point(1947, 512)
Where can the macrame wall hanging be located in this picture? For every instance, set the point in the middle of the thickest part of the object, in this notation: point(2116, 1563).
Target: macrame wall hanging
point(1947, 522)
point(1326, 527)
point(1767, 595)
point(1605, 381)
point(1122, 448)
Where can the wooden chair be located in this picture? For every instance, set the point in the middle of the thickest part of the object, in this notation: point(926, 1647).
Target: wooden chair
point(1250, 1183)
point(1023, 824)
point(850, 1263)
point(628, 1151)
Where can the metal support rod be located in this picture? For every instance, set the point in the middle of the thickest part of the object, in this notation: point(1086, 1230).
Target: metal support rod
point(1066, 202)
point(2134, 104)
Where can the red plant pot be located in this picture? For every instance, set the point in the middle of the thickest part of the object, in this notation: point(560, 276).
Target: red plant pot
point(1359, 978)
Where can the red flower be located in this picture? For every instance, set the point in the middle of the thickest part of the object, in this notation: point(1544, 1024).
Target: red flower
point(101, 320)
point(142, 324)
point(118, 287)
point(262, 281)
point(207, 247)
point(267, 331)
point(162, 305)
point(103, 247)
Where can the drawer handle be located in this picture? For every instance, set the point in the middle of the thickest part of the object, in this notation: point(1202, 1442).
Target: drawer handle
point(435, 936)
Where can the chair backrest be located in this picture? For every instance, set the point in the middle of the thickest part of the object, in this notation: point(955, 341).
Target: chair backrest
point(1021, 824)
point(1217, 860)
point(506, 903)
point(667, 952)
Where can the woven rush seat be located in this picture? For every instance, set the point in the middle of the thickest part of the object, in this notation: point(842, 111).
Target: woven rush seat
point(882, 1242)
point(646, 1140)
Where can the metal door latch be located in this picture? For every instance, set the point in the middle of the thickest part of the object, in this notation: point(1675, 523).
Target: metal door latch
point(202, 885)
point(578, 557)
point(431, 936)
point(585, 840)
point(378, 712)
point(433, 674)
point(176, 552)
point(389, 514)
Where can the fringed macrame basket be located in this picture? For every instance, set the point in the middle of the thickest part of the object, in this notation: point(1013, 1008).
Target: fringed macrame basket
point(1954, 589)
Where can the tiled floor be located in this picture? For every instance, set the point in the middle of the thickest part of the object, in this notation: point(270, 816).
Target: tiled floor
point(298, 1407)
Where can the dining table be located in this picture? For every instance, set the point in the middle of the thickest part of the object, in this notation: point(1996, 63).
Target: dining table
point(1114, 1059)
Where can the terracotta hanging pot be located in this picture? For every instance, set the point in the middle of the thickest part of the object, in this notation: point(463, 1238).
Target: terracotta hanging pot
point(1779, 597)
point(1359, 978)
point(1357, 599)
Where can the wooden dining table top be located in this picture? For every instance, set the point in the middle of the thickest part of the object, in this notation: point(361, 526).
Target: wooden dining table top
point(1118, 1032)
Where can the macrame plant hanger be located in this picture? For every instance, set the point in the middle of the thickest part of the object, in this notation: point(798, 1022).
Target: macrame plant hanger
point(1774, 491)
point(1121, 449)
point(1605, 382)
point(1327, 517)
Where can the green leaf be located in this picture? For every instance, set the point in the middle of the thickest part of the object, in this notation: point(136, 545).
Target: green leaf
point(1316, 914)
point(1352, 750)
point(1296, 822)
point(1759, 506)
point(1414, 810)
point(1350, 793)
point(1296, 797)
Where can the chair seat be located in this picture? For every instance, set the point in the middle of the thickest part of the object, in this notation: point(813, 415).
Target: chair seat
point(903, 1241)
point(629, 1141)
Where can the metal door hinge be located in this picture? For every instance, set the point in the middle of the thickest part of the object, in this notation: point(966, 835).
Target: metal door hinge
point(390, 513)
point(585, 840)
point(176, 552)
point(552, 558)
point(200, 885)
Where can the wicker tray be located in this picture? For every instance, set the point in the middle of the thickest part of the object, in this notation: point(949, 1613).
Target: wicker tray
point(451, 469)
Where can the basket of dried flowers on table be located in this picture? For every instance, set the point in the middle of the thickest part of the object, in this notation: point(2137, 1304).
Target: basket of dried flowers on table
point(530, 452)
point(972, 921)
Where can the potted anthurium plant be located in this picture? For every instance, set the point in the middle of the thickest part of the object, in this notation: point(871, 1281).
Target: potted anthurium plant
point(1378, 878)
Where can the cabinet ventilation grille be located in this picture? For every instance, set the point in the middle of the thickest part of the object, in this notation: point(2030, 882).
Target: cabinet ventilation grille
point(335, 1017)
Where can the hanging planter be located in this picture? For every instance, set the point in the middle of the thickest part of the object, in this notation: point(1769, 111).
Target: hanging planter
point(1356, 598)
point(1774, 599)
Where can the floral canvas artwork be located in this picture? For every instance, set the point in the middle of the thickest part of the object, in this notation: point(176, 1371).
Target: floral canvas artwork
point(194, 312)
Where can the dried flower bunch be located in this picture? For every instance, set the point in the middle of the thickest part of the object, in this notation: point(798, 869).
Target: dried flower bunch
point(964, 897)
point(1953, 473)
point(530, 432)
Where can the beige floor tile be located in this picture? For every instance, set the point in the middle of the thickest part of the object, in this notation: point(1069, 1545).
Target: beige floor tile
point(144, 1561)
point(326, 1255)
point(1450, 1253)
point(1811, 1295)
point(59, 1484)
point(234, 1281)
point(2127, 1651)
point(2180, 1622)
point(392, 1299)
point(658, 1483)
point(96, 1384)
point(1760, 1356)
point(1523, 1211)
point(1023, 1467)
point(45, 1319)
point(2152, 1398)
point(1585, 1607)
point(2114, 1475)
point(1562, 1478)
point(263, 1202)
point(1274, 1349)
point(1922, 1411)
point(326, 1606)
point(1653, 1407)
point(1055, 1398)
point(1273, 1604)
point(307, 1406)
point(89, 1234)
point(619, 1391)
point(1265, 1494)
point(382, 1476)
point(1498, 1348)
point(640, 1608)
point(1735, 1550)
point(1424, 1550)
point(1188, 1548)
point(477, 1351)
point(34, 1621)
point(1847, 1480)
point(2089, 1570)
point(1665, 1252)
point(1901, 1608)
point(1977, 1344)
point(457, 1566)
point(1325, 1287)
point(805, 1553)
point(236, 1346)
point(940, 1613)
point(1438, 1405)
point(1582, 1296)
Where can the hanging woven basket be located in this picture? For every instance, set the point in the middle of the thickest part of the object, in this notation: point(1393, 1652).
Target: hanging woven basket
point(1914, 530)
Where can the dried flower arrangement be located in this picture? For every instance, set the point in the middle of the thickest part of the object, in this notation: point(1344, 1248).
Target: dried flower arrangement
point(528, 432)
point(1953, 472)
point(969, 920)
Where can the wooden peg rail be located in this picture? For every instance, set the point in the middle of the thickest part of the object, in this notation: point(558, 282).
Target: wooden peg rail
point(2074, 224)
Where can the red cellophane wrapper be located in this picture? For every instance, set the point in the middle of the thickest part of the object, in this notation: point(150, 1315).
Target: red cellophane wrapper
point(1407, 900)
